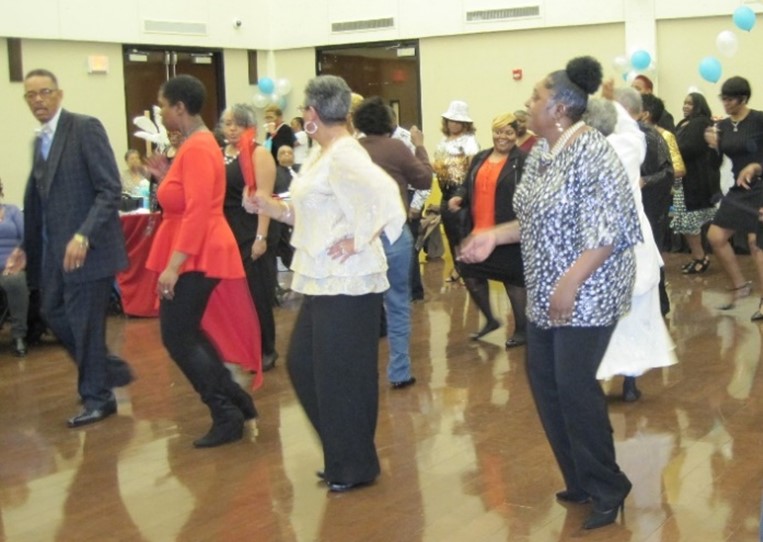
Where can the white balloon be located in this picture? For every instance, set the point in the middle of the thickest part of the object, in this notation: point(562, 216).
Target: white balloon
point(260, 101)
point(727, 43)
point(630, 76)
point(283, 87)
point(621, 64)
point(693, 89)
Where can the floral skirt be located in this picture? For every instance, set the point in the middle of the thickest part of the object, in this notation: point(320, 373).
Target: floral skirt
point(687, 222)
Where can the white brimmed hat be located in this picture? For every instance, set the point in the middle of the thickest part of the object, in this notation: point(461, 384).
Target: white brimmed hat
point(457, 111)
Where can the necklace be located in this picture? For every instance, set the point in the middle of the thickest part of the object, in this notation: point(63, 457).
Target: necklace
point(735, 125)
point(565, 137)
point(548, 156)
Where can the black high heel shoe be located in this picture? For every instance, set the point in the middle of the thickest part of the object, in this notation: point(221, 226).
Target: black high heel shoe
point(490, 325)
point(601, 518)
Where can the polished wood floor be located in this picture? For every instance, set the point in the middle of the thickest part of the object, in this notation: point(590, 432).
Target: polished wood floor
point(463, 455)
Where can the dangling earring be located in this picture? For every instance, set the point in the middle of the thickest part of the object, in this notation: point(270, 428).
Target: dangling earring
point(559, 127)
point(310, 127)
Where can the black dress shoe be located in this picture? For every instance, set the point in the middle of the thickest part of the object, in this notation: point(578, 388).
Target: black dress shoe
point(118, 372)
point(339, 487)
point(93, 415)
point(403, 383)
point(516, 340)
point(19, 347)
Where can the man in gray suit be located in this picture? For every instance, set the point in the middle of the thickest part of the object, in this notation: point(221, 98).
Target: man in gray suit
point(73, 243)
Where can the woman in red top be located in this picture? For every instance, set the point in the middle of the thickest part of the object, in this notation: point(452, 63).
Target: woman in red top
point(200, 269)
point(487, 194)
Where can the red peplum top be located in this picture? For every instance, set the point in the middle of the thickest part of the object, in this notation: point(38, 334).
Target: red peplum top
point(191, 195)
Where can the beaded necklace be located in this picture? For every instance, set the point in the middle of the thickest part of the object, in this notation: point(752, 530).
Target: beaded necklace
point(548, 157)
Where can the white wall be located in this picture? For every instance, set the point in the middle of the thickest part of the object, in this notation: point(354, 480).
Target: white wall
point(274, 24)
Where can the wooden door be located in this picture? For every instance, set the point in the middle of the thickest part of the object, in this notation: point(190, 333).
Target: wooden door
point(145, 69)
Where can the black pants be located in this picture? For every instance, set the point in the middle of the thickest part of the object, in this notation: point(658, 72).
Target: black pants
point(561, 365)
point(188, 345)
point(261, 278)
point(417, 288)
point(333, 365)
point(451, 223)
point(76, 314)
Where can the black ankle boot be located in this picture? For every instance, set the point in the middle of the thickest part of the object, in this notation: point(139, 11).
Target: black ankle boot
point(227, 423)
point(222, 432)
point(630, 392)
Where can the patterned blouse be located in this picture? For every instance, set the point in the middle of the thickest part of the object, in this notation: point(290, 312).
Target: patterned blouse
point(451, 162)
point(579, 200)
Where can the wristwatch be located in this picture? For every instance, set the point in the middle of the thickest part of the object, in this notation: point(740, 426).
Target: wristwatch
point(82, 240)
point(259, 237)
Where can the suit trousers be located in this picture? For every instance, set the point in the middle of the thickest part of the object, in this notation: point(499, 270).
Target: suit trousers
point(561, 365)
point(333, 366)
point(76, 314)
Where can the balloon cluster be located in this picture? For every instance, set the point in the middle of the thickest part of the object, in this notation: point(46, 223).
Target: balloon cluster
point(270, 91)
point(639, 61)
point(727, 43)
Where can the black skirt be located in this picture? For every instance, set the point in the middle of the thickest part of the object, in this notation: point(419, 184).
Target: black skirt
point(504, 265)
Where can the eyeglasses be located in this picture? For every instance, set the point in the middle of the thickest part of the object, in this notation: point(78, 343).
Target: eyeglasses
point(303, 108)
point(43, 93)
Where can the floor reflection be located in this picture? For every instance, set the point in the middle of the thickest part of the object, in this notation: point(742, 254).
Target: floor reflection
point(463, 455)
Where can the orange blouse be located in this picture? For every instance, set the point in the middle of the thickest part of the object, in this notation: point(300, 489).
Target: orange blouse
point(191, 196)
point(483, 207)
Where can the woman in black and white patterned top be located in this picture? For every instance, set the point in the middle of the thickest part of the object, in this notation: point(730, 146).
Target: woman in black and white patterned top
point(578, 227)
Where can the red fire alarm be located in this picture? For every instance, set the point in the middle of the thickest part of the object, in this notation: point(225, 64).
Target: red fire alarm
point(517, 74)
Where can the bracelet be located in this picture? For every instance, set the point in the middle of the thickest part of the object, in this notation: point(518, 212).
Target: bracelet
point(286, 214)
point(259, 237)
point(82, 240)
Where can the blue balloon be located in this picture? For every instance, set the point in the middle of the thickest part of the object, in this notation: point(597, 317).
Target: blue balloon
point(744, 18)
point(710, 69)
point(266, 84)
point(641, 59)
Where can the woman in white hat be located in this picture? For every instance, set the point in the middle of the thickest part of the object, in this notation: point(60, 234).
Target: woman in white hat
point(451, 162)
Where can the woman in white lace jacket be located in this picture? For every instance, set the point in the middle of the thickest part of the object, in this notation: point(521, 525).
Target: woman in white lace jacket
point(341, 203)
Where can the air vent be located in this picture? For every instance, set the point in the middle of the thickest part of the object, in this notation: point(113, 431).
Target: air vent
point(174, 27)
point(502, 14)
point(370, 24)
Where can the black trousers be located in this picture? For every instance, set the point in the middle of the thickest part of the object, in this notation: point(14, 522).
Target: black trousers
point(451, 223)
point(417, 288)
point(188, 345)
point(333, 365)
point(261, 278)
point(76, 314)
point(561, 365)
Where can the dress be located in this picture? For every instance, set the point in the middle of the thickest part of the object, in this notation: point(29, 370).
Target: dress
point(640, 341)
point(743, 144)
point(193, 223)
point(260, 273)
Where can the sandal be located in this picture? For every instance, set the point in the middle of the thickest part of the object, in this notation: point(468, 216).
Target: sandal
point(738, 293)
point(696, 267)
point(758, 314)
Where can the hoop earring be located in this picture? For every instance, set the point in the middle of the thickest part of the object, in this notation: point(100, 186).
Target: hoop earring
point(310, 127)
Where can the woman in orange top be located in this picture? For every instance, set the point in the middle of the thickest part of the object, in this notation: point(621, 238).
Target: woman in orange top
point(200, 269)
point(487, 195)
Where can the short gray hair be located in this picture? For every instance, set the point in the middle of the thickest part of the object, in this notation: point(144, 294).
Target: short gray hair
point(630, 99)
point(330, 96)
point(243, 115)
point(601, 114)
